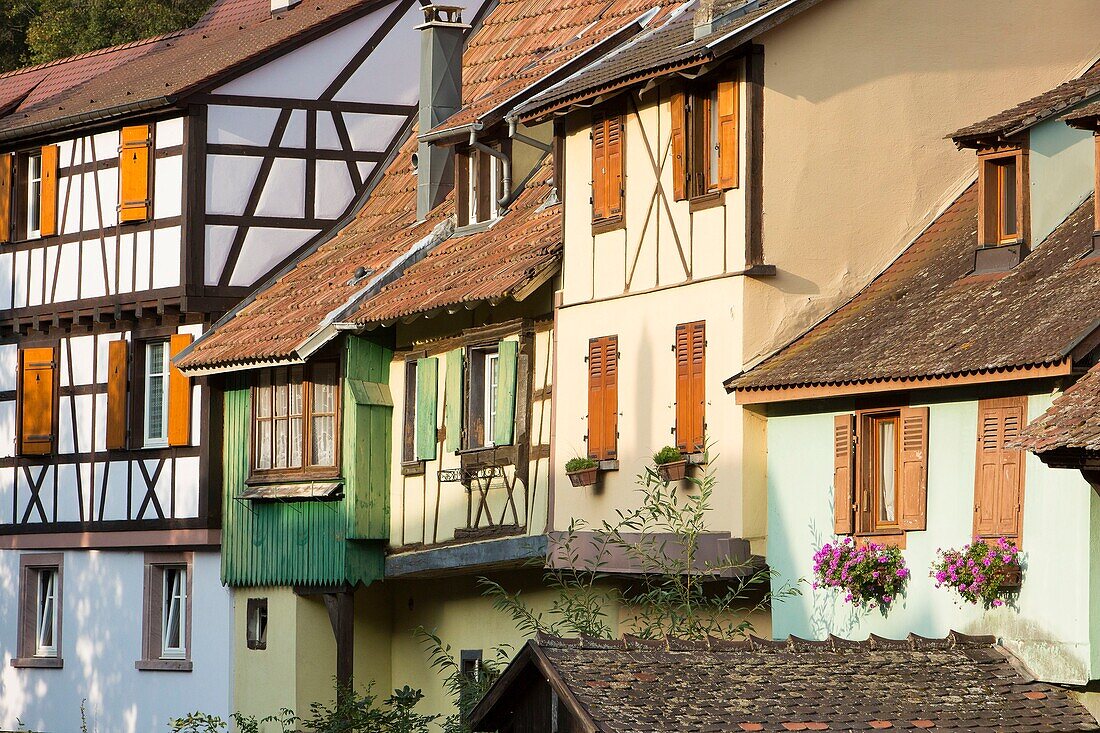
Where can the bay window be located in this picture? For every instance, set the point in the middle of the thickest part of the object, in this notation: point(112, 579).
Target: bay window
point(295, 425)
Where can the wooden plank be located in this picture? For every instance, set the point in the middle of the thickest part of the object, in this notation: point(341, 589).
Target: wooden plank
point(47, 217)
point(507, 352)
point(118, 373)
point(179, 393)
point(427, 390)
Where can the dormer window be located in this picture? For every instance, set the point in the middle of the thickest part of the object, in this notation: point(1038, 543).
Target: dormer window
point(1002, 195)
point(705, 138)
point(479, 185)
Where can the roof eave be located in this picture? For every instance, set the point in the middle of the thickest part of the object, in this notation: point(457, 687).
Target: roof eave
point(59, 124)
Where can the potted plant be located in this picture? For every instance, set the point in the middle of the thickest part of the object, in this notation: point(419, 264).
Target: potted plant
point(581, 471)
point(870, 575)
point(671, 464)
point(979, 572)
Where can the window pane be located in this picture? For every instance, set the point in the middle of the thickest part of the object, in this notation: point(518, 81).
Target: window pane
point(887, 469)
point(263, 444)
point(34, 193)
point(324, 444)
point(156, 407)
point(263, 396)
point(281, 438)
point(1008, 197)
point(712, 139)
point(280, 393)
point(46, 616)
point(491, 368)
point(174, 613)
point(324, 388)
point(296, 442)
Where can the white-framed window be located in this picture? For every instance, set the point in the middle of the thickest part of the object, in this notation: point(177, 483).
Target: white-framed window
point(479, 186)
point(156, 394)
point(45, 617)
point(34, 195)
point(174, 613)
point(492, 372)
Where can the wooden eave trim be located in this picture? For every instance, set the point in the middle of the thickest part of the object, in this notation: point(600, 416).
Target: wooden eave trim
point(579, 711)
point(757, 396)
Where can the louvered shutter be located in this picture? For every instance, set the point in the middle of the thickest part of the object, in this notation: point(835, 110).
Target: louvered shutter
point(844, 465)
point(47, 220)
point(117, 388)
point(36, 401)
point(614, 178)
point(133, 173)
point(7, 161)
point(179, 394)
point(504, 432)
point(690, 386)
point(998, 484)
point(462, 187)
point(678, 108)
point(427, 384)
point(599, 169)
point(914, 468)
point(453, 400)
point(727, 134)
point(603, 397)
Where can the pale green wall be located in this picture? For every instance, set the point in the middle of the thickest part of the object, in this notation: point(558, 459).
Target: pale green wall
point(1062, 174)
point(1050, 626)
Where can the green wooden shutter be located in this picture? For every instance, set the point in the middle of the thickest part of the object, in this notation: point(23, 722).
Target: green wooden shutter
point(452, 403)
point(506, 392)
point(427, 390)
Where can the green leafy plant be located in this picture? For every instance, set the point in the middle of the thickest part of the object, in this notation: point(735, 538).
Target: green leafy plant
point(466, 688)
point(359, 712)
point(197, 723)
point(579, 463)
point(668, 454)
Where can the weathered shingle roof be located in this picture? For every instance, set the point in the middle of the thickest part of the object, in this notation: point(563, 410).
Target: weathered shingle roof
point(675, 686)
point(156, 72)
point(1024, 115)
point(1072, 423)
point(925, 316)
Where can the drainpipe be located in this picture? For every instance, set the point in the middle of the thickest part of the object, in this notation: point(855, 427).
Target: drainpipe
point(507, 198)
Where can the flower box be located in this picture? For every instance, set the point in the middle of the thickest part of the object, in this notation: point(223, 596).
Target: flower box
point(675, 471)
point(1013, 578)
point(583, 477)
point(979, 572)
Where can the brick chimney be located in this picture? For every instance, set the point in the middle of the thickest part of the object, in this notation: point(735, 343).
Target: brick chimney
point(441, 41)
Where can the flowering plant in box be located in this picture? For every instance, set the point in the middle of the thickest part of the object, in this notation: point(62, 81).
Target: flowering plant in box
point(980, 571)
point(870, 575)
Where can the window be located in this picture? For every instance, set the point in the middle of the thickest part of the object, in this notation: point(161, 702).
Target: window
point(482, 403)
point(999, 479)
point(32, 195)
point(607, 168)
point(40, 611)
point(156, 394)
point(691, 398)
point(256, 622)
point(603, 398)
point(295, 420)
point(28, 194)
point(166, 621)
point(479, 185)
point(488, 396)
point(705, 132)
point(470, 660)
point(1003, 191)
point(880, 471)
point(408, 433)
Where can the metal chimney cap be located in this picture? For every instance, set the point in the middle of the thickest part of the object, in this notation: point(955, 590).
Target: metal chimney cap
point(449, 16)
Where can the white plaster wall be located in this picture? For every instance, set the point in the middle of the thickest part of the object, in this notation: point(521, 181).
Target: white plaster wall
point(1062, 174)
point(101, 639)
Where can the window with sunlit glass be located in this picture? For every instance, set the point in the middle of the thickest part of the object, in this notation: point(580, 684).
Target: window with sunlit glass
point(46, 614)
point(174, 617)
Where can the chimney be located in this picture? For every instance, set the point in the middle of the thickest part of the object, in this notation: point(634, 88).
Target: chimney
point(441, 42)
point(280, 6)
point(712, 15)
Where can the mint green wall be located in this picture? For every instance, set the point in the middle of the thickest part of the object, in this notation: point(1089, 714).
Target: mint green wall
point(1050, 625)
point(1062, 169)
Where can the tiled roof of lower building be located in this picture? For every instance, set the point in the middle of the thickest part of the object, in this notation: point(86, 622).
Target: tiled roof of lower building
point(1072, 423)
point(674, 686)
point(926, 315)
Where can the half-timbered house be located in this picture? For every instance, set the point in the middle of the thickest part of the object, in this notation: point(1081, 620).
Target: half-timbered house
point(897, 420)
point(145, 190)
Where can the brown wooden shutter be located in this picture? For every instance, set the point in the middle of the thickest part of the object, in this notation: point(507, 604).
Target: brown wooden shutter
point(678, 108)
point(999, 480)
point(179, 394)
point(727, 134)
point(133, 173)
point(484, 189)
point(614, 178)
point(844, 465)
point(7, 169)
point(600, 202)
point(36, 400)
point(690, 386)
point(462, 187)
point(117, 388)
point(914, 468)
point(47, 221)
point(603, 397)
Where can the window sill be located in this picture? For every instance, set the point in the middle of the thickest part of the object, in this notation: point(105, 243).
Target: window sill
point(608, 465)
point(415, 468)
point(481, 226)
point(38, 662)
point(292, 478)
point(601, 226)
point(163, 665)
point(698, 458)
point(711, 200)
point(888, 538)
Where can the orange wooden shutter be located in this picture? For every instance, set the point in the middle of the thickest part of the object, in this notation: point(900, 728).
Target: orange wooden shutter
point(690, 386)
point(117, 384)
point(36, 401)
point(844, 464)
point(462, 187)
point(47, 220)
point(998, 484)
point(914, 468)
point(179, 394)
point(727, 134)
point(677, 105)
point(603, 397)
point(614, 157)
point(600, 202)
point(7, 161)
point(133, 173)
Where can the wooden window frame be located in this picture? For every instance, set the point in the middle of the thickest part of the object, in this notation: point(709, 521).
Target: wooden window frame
point(410, 464)
point(471, 180)
point(30, 565)
point(701, 121)
point(1021, 403)
point(152, 626)
point(869, 441)
point(146, 441)
point(477, 395)
point(258, 608)
point(307, 470)
point(991, 164)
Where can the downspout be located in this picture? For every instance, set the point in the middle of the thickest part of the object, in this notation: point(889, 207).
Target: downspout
point(507, 198)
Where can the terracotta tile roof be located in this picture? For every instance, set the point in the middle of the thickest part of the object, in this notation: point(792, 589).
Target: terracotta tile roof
point(675, 686)
point(1072, 423)
point(524, 246)
point(926, 316)
point(1044, 106)
point(158, 71)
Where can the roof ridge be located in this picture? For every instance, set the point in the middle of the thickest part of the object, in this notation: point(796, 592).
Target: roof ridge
point(754, 644)
point(95, 52)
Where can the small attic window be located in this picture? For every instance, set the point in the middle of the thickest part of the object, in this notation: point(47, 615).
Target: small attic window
point(479, 185)
point(1003, 192)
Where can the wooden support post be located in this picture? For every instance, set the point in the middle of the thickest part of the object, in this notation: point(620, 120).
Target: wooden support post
point(341, 614)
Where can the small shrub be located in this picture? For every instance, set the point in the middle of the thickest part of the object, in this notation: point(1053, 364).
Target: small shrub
point(579, 464)
point(871, 575)
point(978, 571)
point(668, 454)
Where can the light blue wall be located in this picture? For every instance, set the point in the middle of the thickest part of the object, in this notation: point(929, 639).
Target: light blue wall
point(1062, 169)
point(1048, 627)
